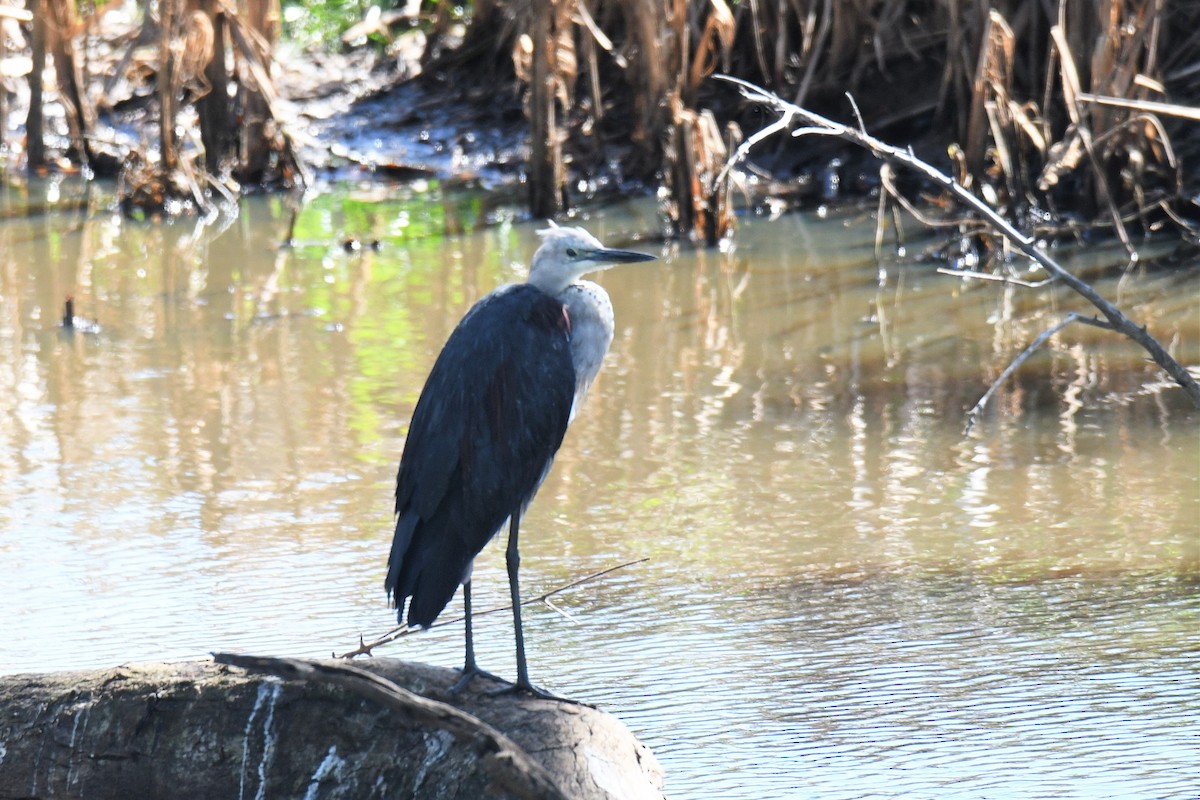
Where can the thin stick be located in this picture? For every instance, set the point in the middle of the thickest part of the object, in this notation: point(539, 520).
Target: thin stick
point(1151, 106)
point(510, 768)
point(975, 411)
point(987, 276)
point(743, 149)
point(399, 632)
point(887, 179)
point(1026, 244)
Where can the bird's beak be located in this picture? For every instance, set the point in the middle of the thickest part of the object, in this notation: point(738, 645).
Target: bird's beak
point(605, 255)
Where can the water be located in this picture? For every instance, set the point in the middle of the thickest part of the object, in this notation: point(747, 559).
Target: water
point(844, 597)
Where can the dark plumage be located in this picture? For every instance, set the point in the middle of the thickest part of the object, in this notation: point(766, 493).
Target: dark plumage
point(490, 418)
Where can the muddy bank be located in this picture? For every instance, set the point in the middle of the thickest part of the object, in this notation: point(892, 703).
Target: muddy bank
point(1073, 123)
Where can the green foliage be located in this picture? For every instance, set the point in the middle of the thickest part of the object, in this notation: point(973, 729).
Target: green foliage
point(321, 22)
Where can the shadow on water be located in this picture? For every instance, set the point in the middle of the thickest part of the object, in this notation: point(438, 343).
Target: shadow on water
point(845, 596)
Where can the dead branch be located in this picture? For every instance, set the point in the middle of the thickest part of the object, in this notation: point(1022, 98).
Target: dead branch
point(1150, 106)
point(1074, 316)
point(506, 763)
point(988, 276)
point(815, 123)
point(399, 632)
point(887, 179)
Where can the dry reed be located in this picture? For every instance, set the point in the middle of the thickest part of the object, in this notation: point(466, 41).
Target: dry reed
point(1064, 114)
point(1076, 115)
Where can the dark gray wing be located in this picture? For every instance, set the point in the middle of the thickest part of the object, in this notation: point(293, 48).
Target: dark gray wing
point(486, 427)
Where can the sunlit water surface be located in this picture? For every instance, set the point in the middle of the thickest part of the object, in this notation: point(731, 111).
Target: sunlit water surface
point(844, 595)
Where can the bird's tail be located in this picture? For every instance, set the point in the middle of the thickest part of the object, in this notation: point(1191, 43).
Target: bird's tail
point(396, 582)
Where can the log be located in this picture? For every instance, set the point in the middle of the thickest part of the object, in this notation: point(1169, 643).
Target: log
point(203, 729)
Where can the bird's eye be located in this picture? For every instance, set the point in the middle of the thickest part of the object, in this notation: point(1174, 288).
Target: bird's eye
point(571, 252)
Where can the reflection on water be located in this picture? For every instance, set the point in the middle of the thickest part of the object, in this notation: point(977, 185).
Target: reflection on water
point(845, 597)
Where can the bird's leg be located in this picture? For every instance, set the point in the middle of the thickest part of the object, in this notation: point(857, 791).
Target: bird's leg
point(469, 660)
point(512, 559)
point(470, 669)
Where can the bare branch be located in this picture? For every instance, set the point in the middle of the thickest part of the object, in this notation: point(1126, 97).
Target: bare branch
point(886, 178)
point(973, 414)
point(550, 605)
point(1116, 320)
point(862, 126)
point(775, 127)
point(1152, 106)
point(987, 276)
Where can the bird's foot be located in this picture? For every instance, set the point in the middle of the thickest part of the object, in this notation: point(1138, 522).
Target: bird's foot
point(471, 673)
point(534, 691)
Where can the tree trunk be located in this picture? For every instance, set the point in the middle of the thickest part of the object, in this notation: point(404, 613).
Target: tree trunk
point(263, 17)
point(34, 132)
point(168, 13)
point(67, 71)
point(216, 117)
point(545, 159)
point(203, 730)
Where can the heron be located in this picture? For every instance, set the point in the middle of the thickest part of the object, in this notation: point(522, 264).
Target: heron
point(488, 422)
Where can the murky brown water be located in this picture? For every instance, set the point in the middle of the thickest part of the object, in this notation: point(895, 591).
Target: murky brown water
point(845, 596)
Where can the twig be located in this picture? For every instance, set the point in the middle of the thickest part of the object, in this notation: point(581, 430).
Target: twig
point(775, 127)
point(1152, 106)
point(975, 411)
point(550, 605)
point(365, 648)
point(987, 276)
point(503, 760)
point(862, 126)
point(1116, 320)
point(887, 179)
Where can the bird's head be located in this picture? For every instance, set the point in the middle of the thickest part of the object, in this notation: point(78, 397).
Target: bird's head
point(567, 254)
